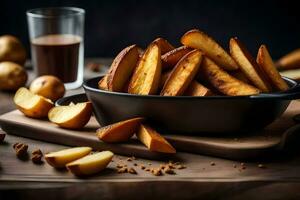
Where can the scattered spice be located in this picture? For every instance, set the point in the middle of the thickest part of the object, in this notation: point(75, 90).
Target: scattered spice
point(123, 170)
point(168, 170)
point(147, 169)
point(119, 166)
point(212, 163)
point(135, 164)
point(143, 167)
point(132, 171)
point(37, 156)
point(21, 149)
point(157, 172)
point(129, 159)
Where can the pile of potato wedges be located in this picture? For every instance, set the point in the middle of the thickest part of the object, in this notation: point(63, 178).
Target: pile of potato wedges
point(200, 67)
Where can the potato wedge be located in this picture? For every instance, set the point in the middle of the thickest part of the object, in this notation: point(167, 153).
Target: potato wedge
point(224, 82)
point(32, 105)
point(153, 140)
point(103, 83)
point(248, 65)
point(122, 68)
point(289, 61)
point(59, 159)
point(163, 78)
point(90, 164)
point(238, 74)
point(71, 116)
point(266, 64)
point(171, 58)
point(146, 77)
point(120, 131)
point(199, 40)
point(183, 74)
point(197, 89)
point(292, 73)
point(164, 45)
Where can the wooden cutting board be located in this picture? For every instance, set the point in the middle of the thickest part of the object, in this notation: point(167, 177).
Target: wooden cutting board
point(272, 139)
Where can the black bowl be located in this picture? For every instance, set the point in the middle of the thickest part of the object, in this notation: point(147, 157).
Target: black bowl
point(185, 114)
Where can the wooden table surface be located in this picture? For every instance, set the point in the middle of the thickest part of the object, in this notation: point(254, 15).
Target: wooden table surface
point(22, 179)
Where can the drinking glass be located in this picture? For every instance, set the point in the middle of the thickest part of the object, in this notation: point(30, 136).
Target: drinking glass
point(57, 43)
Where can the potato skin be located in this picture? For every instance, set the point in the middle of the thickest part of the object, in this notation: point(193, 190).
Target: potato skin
point(11, 49)
point(48, 86)
point(12, 76)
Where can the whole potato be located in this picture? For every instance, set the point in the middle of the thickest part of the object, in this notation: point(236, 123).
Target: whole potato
point(48, 86)
point(11, 49)
point(12, 76)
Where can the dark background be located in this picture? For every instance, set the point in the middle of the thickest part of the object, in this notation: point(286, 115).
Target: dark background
point(113, 24)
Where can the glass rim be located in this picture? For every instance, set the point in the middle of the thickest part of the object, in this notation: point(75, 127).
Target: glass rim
point(32, 12)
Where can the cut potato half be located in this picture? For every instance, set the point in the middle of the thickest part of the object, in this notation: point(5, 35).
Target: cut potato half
point(248, 65)
point(153, 140)
point(122, 68)
point(146, 77)
point(183, 74)
point(171, 58)
point(120, 131)
point(90, 164)
point(197, 89)
point(59, 159)
point(199, 40)
point(71, 116)
point(32, 105)
point(289, 61)
point(164, 45)
point(224, 82)
point(266, 64)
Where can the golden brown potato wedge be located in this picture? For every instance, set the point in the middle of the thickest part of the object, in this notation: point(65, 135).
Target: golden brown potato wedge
point(90, 164)
point(199, 40)
point(248, 65)
point(164, 45)
point(224, 82)
point(153, 140)
point(146, 77)
point(72, 116)
point(171, 58)
point(163, 78)
point(197, 89)
point(59, 159)
point(292, 73)
point(183, 74)
point(120, 131)
point(102, 84)
point(32, 105)
point(289, 61)
point(266, 64)
point(122, 68)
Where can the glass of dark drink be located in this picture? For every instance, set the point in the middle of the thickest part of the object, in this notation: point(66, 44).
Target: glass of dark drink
point(56, 37)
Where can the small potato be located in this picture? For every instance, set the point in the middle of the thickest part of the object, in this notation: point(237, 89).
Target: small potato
point(48, 86)
point(11, 49)
point(12, 76)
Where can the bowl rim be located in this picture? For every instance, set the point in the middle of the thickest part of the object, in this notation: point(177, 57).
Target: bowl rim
point(277, 95)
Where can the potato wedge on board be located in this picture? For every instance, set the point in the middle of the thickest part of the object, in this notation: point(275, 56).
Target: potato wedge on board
point(248, 65)
point(224, 82)
point(153, 140)
point(59, 159)
point(90, 164)
point(146, 77)
point(164, 45)
point(122, 68)
point(171, 58)
point(182, 74)
point(120, 131)
point(197, 89)
point(289, 61)
point(266, 64)
point(199, 40)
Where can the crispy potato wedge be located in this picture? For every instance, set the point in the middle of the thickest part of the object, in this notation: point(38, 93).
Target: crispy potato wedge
point(248, 65)
point(32, 105)
point(183, 74)
point(120, 131)
point(153, 140)
point(197, 89)
point(102, 84)
point(90, 164)
point(266, 64)
point(163, 78)
point(199, 40)
point(59, 159)
point(224, 82)
point(292, 73)
point(171, 58)
point(122, 68)
point(289, 61)
point(146, 77)
point(164, 45)
point(72, 116)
